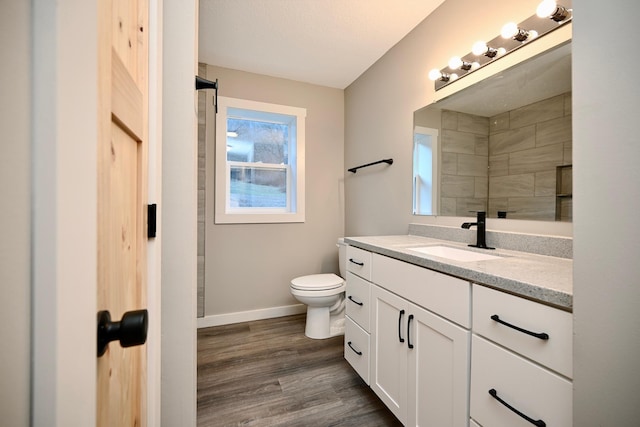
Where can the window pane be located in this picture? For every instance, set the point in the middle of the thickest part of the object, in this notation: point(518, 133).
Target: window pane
point(257, 188)
point(257, 141)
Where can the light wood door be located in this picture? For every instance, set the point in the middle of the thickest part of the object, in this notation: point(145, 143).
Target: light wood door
point(389, 350)
point(122, 192)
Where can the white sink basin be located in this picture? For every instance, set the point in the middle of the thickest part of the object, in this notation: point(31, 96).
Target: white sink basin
point(454, 254)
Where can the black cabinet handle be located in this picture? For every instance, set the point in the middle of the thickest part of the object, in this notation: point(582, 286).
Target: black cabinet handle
point(409, 331)
point(400, 326)
point(541, 335)
point(538, 423)
point(356, 262)
point(359, 353)
point(354, 301)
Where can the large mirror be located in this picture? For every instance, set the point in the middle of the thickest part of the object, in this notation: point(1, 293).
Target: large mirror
point(502, 145)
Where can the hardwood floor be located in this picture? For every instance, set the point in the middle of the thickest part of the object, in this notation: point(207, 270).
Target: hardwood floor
point(268, 373)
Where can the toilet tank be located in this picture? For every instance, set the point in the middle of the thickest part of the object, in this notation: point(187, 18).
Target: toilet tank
point(342, 257)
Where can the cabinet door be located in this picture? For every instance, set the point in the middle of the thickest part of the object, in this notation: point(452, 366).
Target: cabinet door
point(438, 370)
point(389, 350)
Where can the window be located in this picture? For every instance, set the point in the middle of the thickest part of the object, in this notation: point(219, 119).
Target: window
point(425, 171)
point(259, 162)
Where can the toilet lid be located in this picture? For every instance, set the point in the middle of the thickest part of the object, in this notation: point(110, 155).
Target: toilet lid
point(317, 282)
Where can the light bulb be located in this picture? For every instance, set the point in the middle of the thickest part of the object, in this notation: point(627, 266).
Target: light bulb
point(453, 76)
point(479, 48)
point(475, 65)
point(501, 51)
point(533, 34)
point(509, 30)
point(435, 74)
point(455, 63)
point(546, 8)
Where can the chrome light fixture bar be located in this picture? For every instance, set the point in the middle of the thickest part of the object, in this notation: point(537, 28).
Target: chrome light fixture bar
point(548, 17)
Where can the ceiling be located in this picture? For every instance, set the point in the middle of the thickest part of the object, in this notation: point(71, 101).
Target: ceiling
point(324, 42)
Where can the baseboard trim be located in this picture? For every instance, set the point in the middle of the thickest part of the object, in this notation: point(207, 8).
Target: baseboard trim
point(246, 316)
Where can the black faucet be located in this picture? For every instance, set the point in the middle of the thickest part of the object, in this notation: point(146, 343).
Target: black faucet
point(481, 223)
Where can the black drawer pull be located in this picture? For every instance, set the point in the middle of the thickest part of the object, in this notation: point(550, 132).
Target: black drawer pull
point(356, 262)
point(359, 353)
point(409, 331)
point(354, 301)
point(541, 335)
point(400, 326)
point(538, 423)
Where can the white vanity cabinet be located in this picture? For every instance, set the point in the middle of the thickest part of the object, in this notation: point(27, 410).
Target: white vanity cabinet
point(356, 329)
point(419, 360)
point(521, 367)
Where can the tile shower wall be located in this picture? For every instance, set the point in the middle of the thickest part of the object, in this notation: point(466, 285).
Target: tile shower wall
point(202, 71)
point(464, 175)
point(526, 146)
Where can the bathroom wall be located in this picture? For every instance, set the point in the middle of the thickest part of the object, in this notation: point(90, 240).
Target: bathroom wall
point(248, 267)
point(379, 109)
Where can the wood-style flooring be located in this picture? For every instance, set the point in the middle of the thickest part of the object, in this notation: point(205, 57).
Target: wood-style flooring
point(268, 373)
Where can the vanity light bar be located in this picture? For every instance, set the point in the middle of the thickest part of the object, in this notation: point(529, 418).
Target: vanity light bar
point(549, 16)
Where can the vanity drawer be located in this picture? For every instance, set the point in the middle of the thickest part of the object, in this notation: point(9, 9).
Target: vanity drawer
point(356, 348)
point(444, 295)
point(554, 352)
point(531, 389)
point(358, 300)
point(359, 262)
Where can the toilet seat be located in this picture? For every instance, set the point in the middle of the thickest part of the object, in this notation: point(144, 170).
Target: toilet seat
point(317, 282)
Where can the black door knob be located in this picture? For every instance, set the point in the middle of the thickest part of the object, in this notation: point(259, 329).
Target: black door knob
point(130, 330)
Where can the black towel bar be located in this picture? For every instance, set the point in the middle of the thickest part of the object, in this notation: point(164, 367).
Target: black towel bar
point(387, 161)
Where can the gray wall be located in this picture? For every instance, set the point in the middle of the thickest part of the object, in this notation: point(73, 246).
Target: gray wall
point(379, 110)
point(249, 266)
point(15, 207)
point(606, 212)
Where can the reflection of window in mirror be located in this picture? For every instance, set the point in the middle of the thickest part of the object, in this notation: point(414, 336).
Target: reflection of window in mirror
point(425, 171)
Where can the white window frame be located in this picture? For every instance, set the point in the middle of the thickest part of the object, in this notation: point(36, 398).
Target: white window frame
point(417, 176)
point(295, 170)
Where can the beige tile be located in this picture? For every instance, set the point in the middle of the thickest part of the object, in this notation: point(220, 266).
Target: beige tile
point(499, 165)
point(567, 104)
point(201, 205)
point(449, 164)
point(457, 186)
point(512, 186)
point(458, 142)
point(473, 124)
point(553, 131)
point(468, 206)
point(567, 156)
point(537, 112)
point(512, 140)
point(448, 206)
point(545, 183)
point(566, 209)
point(536, 160)
point(449, 120)
point(469, 165)
point(499, 123)
point(536, 208)
point(481, 188)
point(482, 145)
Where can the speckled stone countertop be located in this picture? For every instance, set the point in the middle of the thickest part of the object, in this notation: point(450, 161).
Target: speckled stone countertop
point(541, 278)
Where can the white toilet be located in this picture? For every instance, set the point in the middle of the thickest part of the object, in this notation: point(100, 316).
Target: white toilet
point(324, 296)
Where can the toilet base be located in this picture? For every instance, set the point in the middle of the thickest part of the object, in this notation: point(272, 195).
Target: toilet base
point(321, 324)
